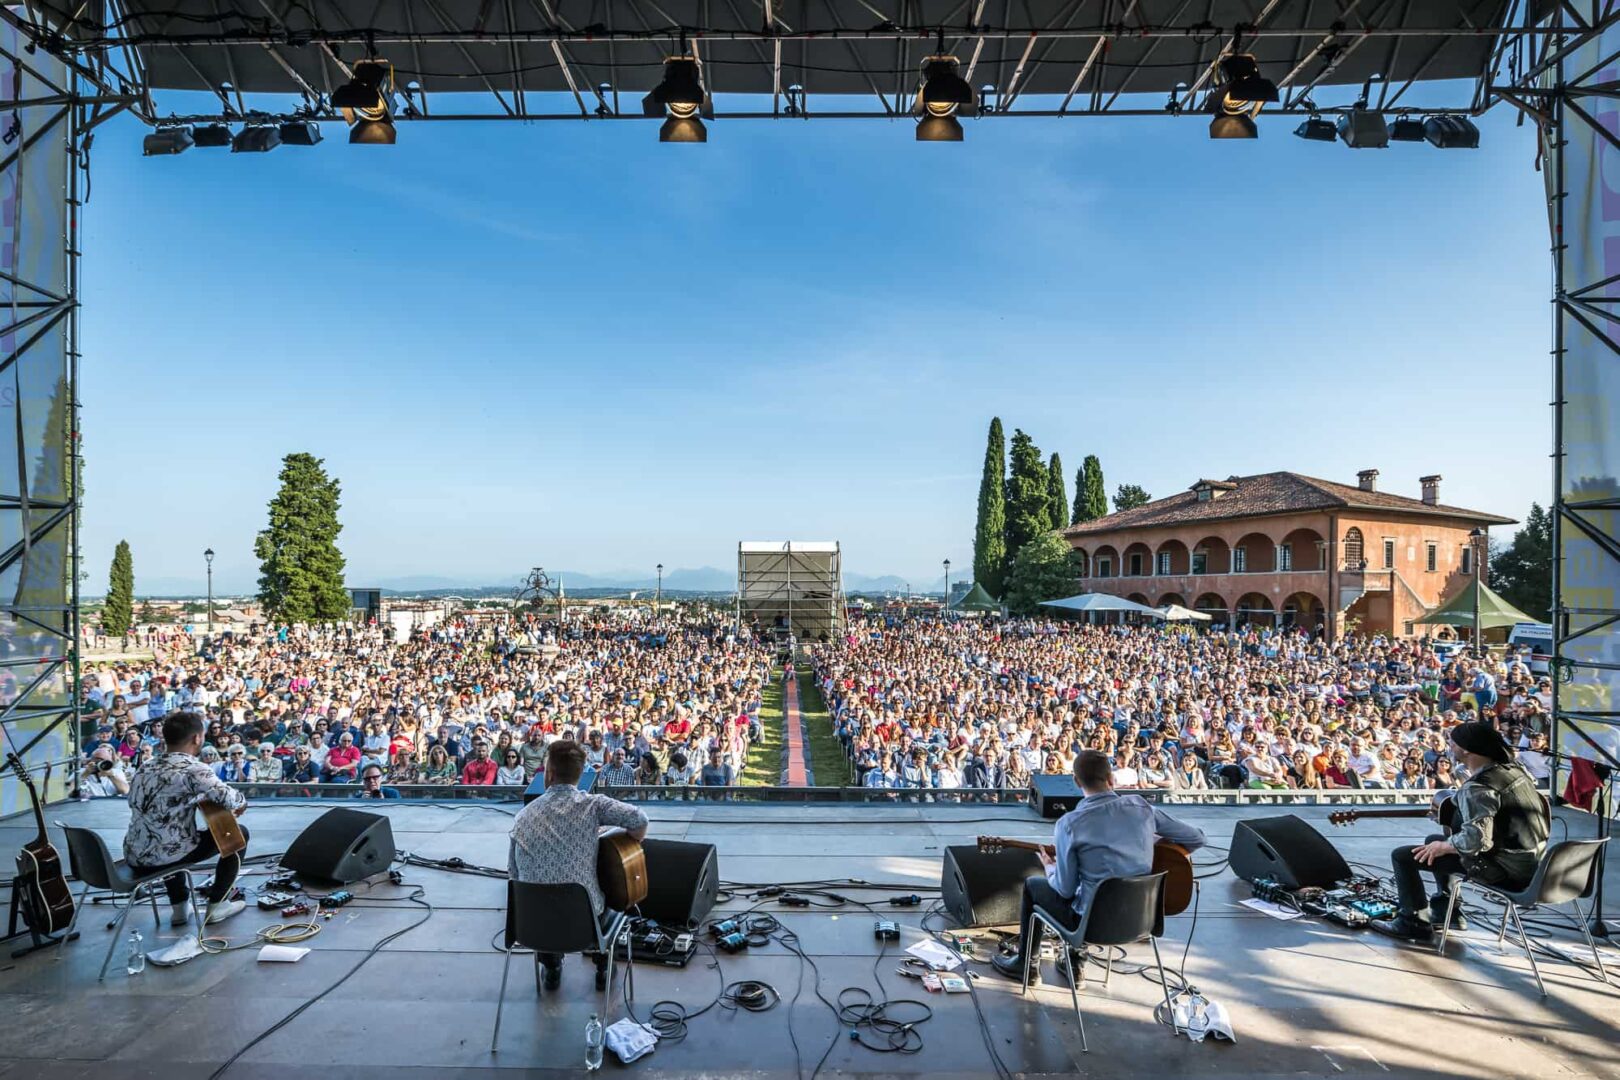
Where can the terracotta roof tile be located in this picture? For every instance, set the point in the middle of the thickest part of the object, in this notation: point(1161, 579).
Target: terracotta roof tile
point(1269, 493)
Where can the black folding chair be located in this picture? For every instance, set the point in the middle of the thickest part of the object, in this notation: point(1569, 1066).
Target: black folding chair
point(94, 865)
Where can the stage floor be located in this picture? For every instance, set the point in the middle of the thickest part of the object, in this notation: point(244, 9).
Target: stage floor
point(1307, 999)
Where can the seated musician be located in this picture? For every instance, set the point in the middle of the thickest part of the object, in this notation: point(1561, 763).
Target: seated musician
point(163, 833)
point(1107, 835)
point(554, 839)
point(1501, 832)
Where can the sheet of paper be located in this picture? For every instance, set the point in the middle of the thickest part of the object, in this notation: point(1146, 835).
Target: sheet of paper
point(1266, 907)
point(935, 955)
point(282, 954)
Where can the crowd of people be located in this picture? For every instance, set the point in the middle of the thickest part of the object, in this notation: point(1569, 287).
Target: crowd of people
point(987, 704)
point(466, 702)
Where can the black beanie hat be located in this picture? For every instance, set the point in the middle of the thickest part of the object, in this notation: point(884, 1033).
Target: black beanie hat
point(1481, 738)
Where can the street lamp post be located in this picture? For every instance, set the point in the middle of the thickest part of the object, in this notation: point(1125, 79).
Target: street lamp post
point(208, 555)
point(947, 586)
point(658, 604)
point(1474, 539)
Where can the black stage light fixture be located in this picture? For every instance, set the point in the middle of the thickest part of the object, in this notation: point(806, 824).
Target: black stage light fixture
point(1244, 85)
point(1363, 129)
point(300, 133)
point(680, 97)
point(1230, 126)
point(942, 95)
point(211, 135)
point(166, 141)
point(256, 139)
point(1406, 129)
point(379, 132)
point(1451, 132)
point(1317, 129)
point(364, 103)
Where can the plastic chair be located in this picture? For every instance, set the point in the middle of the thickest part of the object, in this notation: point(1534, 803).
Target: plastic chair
point(558, 919)
point(1567, 874)
point(93, 864)
point(1122, 911)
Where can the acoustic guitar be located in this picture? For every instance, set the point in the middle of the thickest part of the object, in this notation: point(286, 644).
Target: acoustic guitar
point(222, 826)
point(1170, 859)
point(621, 870)
point(47, 903)
point(1445, 813)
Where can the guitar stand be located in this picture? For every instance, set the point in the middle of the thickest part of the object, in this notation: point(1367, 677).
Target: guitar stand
point(41, 941)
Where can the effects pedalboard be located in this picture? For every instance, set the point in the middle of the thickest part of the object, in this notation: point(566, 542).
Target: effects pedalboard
point(1357, 904)
point(649, 943)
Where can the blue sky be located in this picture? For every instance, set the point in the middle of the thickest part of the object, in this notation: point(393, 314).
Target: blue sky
point(568, 345)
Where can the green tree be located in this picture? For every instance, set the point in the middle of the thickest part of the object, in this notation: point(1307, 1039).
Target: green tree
point(1090, 497)
point(1057, 496)
point(120, 606)
point(989, 539)
point(1522, 571)
point(1129, 497)
point(1028, 494)
point(1044, 569)
point(300, 566)
point(147, 615)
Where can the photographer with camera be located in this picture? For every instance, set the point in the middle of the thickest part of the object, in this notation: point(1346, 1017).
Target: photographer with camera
point(102, 776)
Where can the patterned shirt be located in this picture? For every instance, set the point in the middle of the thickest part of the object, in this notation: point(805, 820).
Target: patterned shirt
point(554, 837)
point(163, 800)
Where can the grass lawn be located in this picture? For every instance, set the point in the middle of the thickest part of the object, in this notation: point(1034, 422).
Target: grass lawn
point(764, 766)
point(827, 758)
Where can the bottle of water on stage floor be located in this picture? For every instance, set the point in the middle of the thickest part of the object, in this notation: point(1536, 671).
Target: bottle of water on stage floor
point(137, 954)
point(593, 1043)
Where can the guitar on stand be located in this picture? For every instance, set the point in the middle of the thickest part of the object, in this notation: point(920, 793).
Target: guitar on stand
point(1170, 859)
point(39, 893)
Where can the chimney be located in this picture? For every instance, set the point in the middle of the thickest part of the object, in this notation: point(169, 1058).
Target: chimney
point(1431, 489)
point(1367, 479)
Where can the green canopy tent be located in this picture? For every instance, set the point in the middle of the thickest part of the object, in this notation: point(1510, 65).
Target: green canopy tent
point(976, 599)
point(1494, 612)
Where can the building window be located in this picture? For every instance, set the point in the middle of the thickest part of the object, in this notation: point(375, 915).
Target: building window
point(1164, 563)
point(1105, 567)
point(1200, 562)
point(1389, 553)
point(1433, 556)
point(1355, 558)
point(1240, 560)
point(1467, 559)
point(1285, 557)
point(1203, 493)
point(1136, 565)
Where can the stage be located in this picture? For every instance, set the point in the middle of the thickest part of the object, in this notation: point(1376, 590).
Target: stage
point(1307, 999)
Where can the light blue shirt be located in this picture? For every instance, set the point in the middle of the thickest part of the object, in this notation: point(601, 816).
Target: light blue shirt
point(1111, 835)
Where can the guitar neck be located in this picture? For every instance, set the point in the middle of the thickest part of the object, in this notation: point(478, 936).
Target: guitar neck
point(1026, 845)
point(1408, 812)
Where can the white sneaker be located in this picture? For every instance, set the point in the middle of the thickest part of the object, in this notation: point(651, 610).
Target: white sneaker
point(223, 910)
point(186, 948)
point(180, 914)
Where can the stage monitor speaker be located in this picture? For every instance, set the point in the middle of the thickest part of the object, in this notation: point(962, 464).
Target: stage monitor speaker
point(1288, 851)
point(682, 880)
point(342, 846)
point(985, 890)
point(1054, 794)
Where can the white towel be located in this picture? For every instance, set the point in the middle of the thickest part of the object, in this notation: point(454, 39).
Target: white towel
point(630, 1040)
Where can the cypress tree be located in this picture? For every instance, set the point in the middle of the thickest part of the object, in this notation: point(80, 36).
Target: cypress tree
point(989, 541)
point(1056, 493)
point(1028, 494)
point(1130, 496)
point(120, 606)
point(300, 566)
point(1091, 498)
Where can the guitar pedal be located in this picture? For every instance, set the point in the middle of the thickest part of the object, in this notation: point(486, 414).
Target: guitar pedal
point(886, 930)
point(271, 900)
point(299, 908)
point(337, 899)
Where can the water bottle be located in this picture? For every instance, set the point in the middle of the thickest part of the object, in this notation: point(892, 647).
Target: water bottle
point(593, 1044)
point(137, 955)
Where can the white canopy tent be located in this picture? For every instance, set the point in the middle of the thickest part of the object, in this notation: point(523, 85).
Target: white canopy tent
point(1101, 602)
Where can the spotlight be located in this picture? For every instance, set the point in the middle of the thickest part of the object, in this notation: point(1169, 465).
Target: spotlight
point(1233, 126)
point(681, 96)
point(1317, 129)
point(795, 101)
point(211, 135)
point(256, 139)
point(683, 129)
point(939, 129)
point(943, 94)
point(603, 92)
point(1244, 83)
point(1362, 129)
point(1173, 104)
point(364, 102)
point(167, 140)
point(1451, 132)
point(379, 132)
point(300, 133)
point(1406, 129)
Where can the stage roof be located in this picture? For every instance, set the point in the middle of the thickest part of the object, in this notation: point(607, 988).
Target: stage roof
point(847, 55)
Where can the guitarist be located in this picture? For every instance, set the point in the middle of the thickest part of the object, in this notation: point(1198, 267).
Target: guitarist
point(1107, 835)
point(1500, 834)
point(163, 800)
point(554, 839)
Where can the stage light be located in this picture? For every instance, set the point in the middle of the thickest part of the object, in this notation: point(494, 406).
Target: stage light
point(256, 139)
point(300, 133)
point(795, 101)
point(378, 132)
point(1173, 105)
point(1363, 129)
point(1317, 129)
point(942, 95)
point(1406, 129)
point(683, 129)
point(679, 97)
point(211, 135)
point(1451, 132)
point(1233, 126)
point(166, 141)
point(364, 102)
point(1244, 83)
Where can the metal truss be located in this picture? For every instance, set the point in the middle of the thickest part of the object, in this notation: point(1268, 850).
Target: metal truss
point(792, 586)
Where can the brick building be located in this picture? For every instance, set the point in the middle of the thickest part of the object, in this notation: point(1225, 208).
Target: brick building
point(1284, 549)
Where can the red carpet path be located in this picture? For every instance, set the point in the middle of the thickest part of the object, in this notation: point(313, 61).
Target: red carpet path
point(793, 733)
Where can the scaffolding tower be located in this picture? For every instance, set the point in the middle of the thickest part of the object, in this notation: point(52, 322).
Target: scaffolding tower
point(791, 586)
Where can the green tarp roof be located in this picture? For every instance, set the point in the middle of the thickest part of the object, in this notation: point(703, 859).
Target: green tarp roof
point(1494, 612)
point(976, 599)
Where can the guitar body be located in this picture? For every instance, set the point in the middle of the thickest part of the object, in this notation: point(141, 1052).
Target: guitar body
point(223, 827)
point(47, 902)
point(1173, 861)
point(621, 870)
